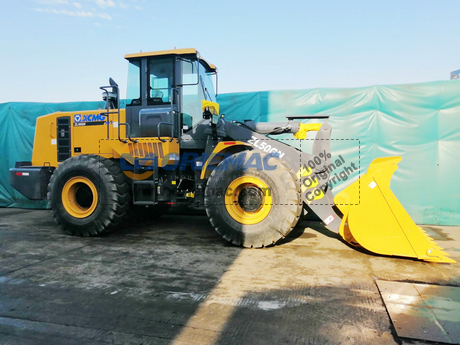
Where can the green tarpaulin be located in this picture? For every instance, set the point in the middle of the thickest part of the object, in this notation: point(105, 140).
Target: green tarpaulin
point(420, 122)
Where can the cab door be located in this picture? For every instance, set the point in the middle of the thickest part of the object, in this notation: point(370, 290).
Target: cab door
point(152, 102)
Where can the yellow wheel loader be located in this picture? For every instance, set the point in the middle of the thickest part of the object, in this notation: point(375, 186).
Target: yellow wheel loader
point(170, 145)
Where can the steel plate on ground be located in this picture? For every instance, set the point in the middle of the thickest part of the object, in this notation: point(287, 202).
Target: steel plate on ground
point(423, 311)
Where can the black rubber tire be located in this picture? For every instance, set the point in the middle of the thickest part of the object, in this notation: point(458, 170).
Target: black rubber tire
point(113, 195)
point(283, 216)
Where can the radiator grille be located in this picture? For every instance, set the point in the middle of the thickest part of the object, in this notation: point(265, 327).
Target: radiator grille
point(63, 138)
point(140, 150)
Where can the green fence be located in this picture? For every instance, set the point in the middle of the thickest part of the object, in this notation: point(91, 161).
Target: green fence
point(420, 122)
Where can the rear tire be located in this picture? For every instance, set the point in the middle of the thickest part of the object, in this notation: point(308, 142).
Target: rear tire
point(268, 217)
point(89, 195)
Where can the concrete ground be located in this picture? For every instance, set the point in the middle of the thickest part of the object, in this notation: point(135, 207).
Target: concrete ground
point(177, 282)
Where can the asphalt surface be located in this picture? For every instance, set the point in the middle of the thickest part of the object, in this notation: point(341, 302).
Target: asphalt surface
point(176, 281)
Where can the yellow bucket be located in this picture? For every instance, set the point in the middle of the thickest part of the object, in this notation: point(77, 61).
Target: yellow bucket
point(374, 219)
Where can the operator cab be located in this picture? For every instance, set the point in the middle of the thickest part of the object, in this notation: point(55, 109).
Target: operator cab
point(165, 91)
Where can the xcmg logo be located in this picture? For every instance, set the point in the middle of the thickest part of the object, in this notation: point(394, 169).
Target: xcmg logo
point(88, 118)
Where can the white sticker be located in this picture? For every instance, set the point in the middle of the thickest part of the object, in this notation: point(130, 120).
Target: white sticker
point(372, 185)
point(25, 174)
point(329, 219)
point(115, 125)
point(53, 141)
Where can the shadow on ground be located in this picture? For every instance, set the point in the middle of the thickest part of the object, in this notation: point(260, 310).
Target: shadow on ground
point(176, 281)
point(139, 285)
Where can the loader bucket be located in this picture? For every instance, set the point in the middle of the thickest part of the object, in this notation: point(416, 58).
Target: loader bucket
point(374, 219)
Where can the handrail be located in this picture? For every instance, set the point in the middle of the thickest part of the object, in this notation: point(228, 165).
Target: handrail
point(165, 124)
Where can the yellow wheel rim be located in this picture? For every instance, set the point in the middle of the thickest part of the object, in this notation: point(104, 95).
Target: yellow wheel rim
point(79, 197)
point(248, 200)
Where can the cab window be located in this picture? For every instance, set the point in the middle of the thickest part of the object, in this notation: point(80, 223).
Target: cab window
point(160, 73)
point(133, 95)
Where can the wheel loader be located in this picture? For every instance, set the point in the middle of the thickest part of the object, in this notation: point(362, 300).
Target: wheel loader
point(170, 145)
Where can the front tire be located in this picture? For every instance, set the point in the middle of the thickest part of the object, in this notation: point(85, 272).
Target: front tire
point(89, 195)
point(253, 207)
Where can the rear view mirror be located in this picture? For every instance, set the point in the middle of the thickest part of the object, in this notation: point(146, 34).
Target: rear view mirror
point(112, 83)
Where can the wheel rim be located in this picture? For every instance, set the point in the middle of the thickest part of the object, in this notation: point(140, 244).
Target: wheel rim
point(248, 200)
point(79, 197)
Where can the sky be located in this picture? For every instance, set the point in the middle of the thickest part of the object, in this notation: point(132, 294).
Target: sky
point(63, 50)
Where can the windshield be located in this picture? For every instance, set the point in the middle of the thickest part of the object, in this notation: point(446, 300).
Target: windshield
point(207, 85)
point(197, 86)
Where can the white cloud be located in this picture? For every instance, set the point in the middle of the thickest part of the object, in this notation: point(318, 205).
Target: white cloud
point(105, 3)
point(104, 16)
point(98, 24)
point(76, 13)
point(52, 2)
point(102, 9)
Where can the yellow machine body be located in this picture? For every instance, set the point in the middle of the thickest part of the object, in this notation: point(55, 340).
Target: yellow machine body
point(374, 219)
point(370, 214)
point(95, 137)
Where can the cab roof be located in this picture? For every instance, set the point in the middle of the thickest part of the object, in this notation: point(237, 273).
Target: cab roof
point(185, 51)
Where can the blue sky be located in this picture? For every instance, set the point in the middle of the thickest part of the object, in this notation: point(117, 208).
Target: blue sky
point(63, 50)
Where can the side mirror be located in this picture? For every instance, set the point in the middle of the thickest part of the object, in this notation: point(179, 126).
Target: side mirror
point(112, 83)
point(111, 98)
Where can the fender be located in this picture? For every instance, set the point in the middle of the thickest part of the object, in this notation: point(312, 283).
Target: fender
point(221, 148)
